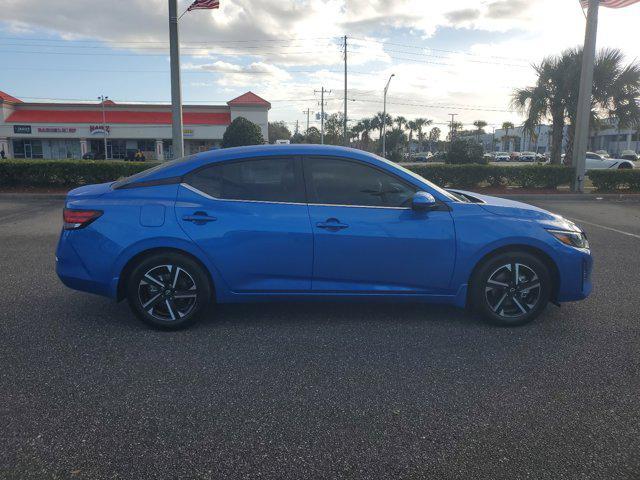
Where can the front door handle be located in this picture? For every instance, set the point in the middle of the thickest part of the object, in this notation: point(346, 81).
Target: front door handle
point(199, 218)
point(332, 224)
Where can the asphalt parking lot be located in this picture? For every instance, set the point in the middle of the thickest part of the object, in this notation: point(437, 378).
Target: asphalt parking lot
point(322, 390)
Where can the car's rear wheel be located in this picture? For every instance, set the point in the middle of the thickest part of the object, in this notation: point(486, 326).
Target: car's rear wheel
point(623, 166)
point(168, 290)
point(511, 288)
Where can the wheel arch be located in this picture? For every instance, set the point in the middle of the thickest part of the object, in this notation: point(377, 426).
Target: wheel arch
point(138, 257)
point(541, 254)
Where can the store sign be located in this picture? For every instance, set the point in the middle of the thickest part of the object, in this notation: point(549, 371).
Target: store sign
point(24, 129)
point(99, 129)
point(57, 130)
point(187, 132)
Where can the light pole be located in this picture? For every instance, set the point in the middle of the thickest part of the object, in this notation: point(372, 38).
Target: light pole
point(102, 99)
point(384, 118)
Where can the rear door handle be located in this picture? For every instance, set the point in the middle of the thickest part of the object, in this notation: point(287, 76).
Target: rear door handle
point(199, 218)
point(332, 224)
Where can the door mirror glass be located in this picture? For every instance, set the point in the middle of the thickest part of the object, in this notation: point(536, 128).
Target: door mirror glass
point(423, 201)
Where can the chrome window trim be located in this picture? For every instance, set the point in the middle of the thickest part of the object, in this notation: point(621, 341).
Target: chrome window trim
point(206, 195)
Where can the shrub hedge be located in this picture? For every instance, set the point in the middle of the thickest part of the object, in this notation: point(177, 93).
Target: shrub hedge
point(610, 180)
point(72, 173)
point(65, 173)
point(473, 175)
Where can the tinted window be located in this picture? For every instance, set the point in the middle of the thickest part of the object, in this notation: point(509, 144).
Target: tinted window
point(268, 179)
point(340, 182)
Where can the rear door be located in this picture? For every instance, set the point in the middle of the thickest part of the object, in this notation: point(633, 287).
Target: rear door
point(251, 219)
point(367, 237)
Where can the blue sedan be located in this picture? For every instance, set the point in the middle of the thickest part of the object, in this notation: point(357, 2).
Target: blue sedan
point(293, 222)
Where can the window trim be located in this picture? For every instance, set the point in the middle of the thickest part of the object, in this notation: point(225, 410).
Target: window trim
point(305, 170)
point(297, 162)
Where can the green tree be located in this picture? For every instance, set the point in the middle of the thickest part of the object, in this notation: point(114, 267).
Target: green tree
point(312, 136)
point(479, 124)
point(242, 132)
point(465, 151)
point(278, 131)
point(333, 129)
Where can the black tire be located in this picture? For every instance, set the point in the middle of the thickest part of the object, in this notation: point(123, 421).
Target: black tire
point(515, 303)
point(166, 301)
point(623, 166)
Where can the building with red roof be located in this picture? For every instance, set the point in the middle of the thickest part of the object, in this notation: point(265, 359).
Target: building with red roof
point(72, 130)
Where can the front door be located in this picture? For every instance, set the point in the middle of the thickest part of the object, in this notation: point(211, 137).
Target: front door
point(251, 219)
point(366, 236)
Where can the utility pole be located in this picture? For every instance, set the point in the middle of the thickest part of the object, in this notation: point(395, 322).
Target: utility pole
point(176, 88)
point(102, 99)
point(297, 127)
point(584, 97)
point(346, 140)
point(384, 117)
point(453, 115)
point(307, 112)
point(322, 92)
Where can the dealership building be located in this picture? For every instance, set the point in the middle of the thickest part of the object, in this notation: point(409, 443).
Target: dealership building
point(70, 130)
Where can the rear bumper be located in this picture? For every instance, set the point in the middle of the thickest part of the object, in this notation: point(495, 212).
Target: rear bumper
point(72, 271)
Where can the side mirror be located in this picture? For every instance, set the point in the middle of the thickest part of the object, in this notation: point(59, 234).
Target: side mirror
point(423, 201)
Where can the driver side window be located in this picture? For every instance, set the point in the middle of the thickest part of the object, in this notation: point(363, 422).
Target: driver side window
point(332, 181)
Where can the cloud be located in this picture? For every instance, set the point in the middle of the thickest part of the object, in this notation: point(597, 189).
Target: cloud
point(505, 9)
point(464, 15)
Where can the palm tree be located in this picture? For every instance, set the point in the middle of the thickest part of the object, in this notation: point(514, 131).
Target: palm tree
point(555, 94)
point(400, 121)
point(412, 127)
point(506, 139)
point(420, 124)
point(379, 120)
point(479, 124)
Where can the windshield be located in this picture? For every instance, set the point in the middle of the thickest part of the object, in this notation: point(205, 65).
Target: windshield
point(145, 173)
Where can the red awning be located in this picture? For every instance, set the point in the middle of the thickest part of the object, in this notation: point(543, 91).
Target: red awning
point(115, 117)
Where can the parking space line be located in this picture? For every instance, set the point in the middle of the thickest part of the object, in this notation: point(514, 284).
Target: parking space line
point(608, 228)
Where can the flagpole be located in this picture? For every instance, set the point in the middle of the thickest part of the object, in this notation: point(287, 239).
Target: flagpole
point(176, 87)
point(584, 97)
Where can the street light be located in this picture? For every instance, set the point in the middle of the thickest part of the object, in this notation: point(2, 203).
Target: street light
point(102, 99)
point(384, 118)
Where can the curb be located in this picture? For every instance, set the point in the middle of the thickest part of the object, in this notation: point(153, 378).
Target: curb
point(32, 196)
point(571, 196)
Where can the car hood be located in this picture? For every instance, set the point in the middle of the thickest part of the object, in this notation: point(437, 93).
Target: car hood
point(513, 209)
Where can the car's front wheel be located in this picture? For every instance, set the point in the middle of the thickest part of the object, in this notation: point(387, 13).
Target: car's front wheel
point(511, 288)
point(168, 290)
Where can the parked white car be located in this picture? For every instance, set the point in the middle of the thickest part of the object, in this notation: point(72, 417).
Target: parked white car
point(598, 162)
point(501, 156)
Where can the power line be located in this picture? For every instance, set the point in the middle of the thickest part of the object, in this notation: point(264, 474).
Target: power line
point(437, 49)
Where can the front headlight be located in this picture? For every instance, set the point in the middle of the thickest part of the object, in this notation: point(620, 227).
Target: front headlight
point(573, 239)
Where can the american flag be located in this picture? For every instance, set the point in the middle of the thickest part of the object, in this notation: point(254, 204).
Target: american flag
point(610, 3)
point(204, 5)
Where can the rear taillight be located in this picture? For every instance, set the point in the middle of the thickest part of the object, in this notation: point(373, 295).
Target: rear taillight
point(75, 219)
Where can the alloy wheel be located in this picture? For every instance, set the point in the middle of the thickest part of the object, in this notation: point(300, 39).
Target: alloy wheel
point(513, 290)
point(167, 292)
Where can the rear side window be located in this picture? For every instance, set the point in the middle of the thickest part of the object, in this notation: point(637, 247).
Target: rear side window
point(263, 179)
point(332, 181)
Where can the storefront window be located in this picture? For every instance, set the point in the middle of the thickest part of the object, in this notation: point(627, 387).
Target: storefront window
point(27, 149)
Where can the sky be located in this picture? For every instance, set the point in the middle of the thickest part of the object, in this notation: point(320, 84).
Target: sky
point(460, 57)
